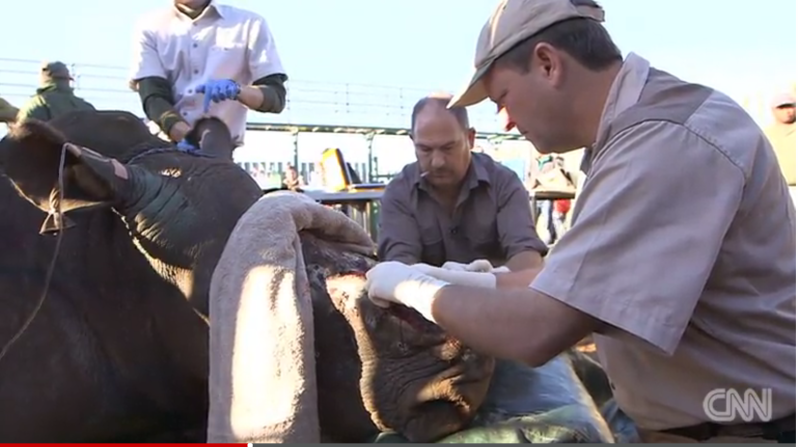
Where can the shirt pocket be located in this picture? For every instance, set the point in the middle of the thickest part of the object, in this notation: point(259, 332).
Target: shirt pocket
point(227, 61)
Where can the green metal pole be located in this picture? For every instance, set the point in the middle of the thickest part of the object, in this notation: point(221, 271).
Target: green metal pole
point(370, 142)
point(295, 134)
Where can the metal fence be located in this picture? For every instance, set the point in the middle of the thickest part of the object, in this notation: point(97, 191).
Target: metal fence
point(317, 103)
point(324, 103)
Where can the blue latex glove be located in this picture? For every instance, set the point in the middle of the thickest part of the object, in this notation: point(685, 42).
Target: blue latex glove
point(185, 146)
point(218, 90)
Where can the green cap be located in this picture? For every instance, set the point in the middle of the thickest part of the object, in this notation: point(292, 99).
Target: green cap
point(55, 70)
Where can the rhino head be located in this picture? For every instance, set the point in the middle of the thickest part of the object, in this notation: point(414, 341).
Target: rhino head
point(378, 369)
point(409, 376)
point(178, 208)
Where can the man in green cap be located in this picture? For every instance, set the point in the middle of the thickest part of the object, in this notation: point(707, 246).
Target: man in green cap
point(8, 113)
point(55, 95)
point(680, 260)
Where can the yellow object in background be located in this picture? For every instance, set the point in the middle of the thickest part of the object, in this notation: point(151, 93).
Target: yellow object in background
point(333, 170)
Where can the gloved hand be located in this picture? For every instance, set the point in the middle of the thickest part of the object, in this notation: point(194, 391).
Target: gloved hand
point(394, 282)
point(461, 278)
point(184, 146)
point(217, 91)
point(479, 265)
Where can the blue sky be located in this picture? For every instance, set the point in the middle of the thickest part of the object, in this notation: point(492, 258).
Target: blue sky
point(420, 45)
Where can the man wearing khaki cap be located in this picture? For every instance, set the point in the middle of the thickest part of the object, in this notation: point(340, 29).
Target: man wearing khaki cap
point(782, 135)
point(55, 95)
point(681, 255)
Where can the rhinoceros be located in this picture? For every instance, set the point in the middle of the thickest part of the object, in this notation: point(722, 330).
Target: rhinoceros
point(117, 349)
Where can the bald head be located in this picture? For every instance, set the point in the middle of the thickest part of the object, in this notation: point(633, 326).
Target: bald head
point(436, 103)
point(443, 139)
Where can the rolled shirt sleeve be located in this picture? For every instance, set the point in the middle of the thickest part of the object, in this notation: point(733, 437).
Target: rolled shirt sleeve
point(516, 228)
point(264, 60)
point(146, 61)
point(649, 226)
point(399, 238)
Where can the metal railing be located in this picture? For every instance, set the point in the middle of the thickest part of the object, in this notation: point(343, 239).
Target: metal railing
point(106, 87)
point(358, 108)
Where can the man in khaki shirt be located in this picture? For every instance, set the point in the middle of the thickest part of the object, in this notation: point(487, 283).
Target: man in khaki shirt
point(681, 256)
point(782, 136)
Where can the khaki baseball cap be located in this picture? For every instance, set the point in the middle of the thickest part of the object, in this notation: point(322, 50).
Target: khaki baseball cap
point(512, 22)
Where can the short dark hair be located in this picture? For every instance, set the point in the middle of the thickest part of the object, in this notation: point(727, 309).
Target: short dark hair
point(586, 40)
point(459, 113)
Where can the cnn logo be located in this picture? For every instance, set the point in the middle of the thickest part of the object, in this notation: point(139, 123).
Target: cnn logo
point(722, 405)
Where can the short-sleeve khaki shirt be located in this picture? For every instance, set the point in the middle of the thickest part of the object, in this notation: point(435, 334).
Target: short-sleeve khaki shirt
point(683, 241)
point(492, 219)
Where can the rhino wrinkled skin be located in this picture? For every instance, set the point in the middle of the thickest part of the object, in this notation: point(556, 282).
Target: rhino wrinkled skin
point(119, 349)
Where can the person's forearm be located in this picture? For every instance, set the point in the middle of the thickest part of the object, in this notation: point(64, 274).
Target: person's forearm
point(178, 131)
point(524, 260)
point(508, 324)
point(516, 280)
point(155, 94)
point(251, 96)
point(266, 95)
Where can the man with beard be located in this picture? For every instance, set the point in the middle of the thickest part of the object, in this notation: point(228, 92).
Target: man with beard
point(453, 206)
point(782, 136)
point(199, 58)
point(681, 256)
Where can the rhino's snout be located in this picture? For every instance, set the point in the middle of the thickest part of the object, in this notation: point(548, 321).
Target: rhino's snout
point(448, 401)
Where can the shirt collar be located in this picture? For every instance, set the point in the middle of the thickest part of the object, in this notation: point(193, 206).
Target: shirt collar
point(624, 93)
point(212, 8)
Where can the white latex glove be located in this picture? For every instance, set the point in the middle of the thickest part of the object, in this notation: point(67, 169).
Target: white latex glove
point(461, 278)
point(480, 265)
point(394, 282)
point(455, 266)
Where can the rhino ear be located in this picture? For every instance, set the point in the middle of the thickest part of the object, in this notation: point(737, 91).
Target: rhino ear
point(30, 156)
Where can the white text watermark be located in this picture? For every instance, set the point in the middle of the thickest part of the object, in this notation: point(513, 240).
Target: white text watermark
point(727, 405)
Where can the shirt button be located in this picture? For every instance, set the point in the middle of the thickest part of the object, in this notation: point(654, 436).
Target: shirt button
point(195, 45)
point(196, 71)
point(190, 91)
point(185, 114)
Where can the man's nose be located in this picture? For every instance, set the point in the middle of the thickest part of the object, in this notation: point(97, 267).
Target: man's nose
point(505, 120)
point(438, 161)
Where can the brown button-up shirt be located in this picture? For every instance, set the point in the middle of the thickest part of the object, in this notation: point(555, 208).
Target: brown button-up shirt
point(683, 240)
point(492, 219)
